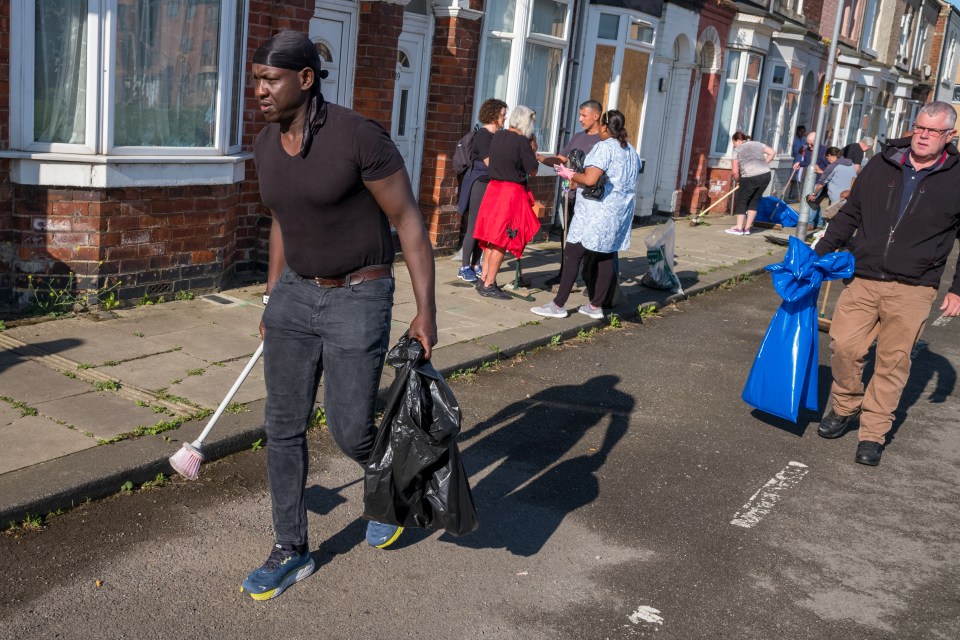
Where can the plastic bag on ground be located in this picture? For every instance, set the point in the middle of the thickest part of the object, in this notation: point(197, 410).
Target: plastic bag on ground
point(415, 476)
point(660, 246)
point(784, 373)
point(775, 211)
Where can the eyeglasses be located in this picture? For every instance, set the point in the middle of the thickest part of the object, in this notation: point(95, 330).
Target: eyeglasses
point(917, 129)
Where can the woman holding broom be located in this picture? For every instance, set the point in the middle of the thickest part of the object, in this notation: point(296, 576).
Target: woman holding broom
point(751, 170)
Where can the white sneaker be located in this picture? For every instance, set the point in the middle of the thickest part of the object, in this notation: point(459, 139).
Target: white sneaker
point(734, 231)
point(589, 310)
point(550, 310)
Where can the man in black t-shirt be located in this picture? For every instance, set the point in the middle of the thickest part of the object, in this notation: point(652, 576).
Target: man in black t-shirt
point(334, 182)
point(856, 150)
point(590, 112)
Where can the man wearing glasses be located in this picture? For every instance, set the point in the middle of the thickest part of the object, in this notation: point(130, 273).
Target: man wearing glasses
point(905, 210)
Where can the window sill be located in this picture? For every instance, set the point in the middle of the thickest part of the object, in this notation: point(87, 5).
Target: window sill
point(105, 172)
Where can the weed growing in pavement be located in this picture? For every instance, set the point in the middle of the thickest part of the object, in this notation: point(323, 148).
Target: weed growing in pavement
point(24, 409)
point(159, 481)
point(164, 395)
point(30, 522)
point(139, 334)
point(319, 418)
point(647, 312)
point(158, 409)
point(195, 372)
point(462, 375)
point(586, 334)
point(126, 487)
point(257, 445)
point(556, 340)
point(3, 326)
point(110, 363)
point(236, 407)
point(59, 297)
point(531, 323)
point(141, 403)
point(103, 441)
point(84, 365)
point(106, 385)
point(184, 295)
point(167, 425)
point(110, 302)
point(615, 322)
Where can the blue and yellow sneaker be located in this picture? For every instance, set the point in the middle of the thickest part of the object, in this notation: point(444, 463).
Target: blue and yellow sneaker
point(381, 535)
point(285, 567)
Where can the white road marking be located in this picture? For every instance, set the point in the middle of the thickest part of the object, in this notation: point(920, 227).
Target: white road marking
point(763, 500)
point(942, 321)
point(646, 614)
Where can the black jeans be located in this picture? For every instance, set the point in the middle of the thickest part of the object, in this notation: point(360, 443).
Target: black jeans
point(471, 250)
point(573, 254)
point(343, 334)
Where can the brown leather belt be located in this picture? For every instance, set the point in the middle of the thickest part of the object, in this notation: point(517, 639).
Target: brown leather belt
point(374, 272)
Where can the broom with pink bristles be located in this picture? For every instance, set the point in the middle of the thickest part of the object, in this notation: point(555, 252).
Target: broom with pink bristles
point(188, 459)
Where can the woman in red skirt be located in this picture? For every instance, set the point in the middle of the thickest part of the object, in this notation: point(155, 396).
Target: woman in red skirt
point(506, 221)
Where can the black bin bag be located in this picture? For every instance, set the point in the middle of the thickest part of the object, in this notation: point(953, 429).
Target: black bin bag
point(415, 476)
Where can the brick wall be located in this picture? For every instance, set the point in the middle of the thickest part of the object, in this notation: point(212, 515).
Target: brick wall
point(700, 178)
point(375, 77)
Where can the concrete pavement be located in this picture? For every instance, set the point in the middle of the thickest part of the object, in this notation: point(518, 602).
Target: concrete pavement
point(87, 405)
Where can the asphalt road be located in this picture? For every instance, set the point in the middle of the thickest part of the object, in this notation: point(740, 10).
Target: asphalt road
point(609, 473)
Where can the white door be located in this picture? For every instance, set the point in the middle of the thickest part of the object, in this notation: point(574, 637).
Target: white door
point(332, 33)
point(408, 99)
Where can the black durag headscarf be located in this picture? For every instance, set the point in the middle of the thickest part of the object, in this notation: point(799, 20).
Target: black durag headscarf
point(293, 50)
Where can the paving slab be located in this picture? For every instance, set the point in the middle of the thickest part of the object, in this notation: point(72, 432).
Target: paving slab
point(8, 414)
point(29, 382)
point(33, 439)
point(155, 372)
point(86, 341)
point(159, 319)
point(209, 389)
point(212, 343)
point(101, 413)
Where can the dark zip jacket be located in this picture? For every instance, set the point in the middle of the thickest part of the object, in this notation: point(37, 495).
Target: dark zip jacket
point(913, 250)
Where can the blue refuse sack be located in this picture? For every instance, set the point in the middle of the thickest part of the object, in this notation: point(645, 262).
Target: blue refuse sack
point(775, 211)
point(784, 373)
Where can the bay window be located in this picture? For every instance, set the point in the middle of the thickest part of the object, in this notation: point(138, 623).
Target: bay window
point(523, 59)
point(780, 108)
point(127, 77)
point(739, 103)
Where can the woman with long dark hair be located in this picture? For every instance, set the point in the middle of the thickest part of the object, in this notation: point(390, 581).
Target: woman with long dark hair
point(601, 221)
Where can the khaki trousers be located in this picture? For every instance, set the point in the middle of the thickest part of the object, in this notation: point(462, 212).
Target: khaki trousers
point(892, 313)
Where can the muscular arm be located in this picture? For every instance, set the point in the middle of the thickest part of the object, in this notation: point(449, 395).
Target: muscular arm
point(276, 260)
point(394, 196)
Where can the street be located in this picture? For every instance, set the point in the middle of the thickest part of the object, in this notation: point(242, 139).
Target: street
point(624, 491)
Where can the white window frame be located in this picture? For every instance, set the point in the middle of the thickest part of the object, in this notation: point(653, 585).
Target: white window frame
point(903, 45)
point(783, 131)
point(97, 162)
point(868, 30)
point(920, 43)
point(740, 81)
point(519, 38)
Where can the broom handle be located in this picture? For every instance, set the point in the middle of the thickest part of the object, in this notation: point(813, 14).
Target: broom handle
point(787, 185)
point(229, 397)
point(722, 198)
point(826, 294)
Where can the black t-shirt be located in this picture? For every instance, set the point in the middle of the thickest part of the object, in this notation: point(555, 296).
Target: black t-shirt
point(581, 140)
point(511, 157)
point(331, 224)
point(480, 147)
point(853, 152)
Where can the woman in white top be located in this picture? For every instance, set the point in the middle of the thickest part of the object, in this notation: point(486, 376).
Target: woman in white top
point(751, 170)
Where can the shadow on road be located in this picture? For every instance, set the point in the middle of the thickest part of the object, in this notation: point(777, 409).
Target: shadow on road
point(530, 488)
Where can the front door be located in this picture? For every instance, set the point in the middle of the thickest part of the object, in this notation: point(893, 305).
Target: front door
point(408, 107)
point(332, 33)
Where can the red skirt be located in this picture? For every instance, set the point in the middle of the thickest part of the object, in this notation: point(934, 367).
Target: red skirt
point(506, 218)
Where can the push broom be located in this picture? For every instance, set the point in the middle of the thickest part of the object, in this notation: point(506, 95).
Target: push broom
point(188, 459)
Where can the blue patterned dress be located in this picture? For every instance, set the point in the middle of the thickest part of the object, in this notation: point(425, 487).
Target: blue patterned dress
point(603, 225)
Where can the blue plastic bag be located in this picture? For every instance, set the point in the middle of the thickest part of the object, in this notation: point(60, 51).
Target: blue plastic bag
point(775, 211)
point(784, 373)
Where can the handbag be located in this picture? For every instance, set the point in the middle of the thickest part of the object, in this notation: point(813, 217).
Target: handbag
point(596, 192)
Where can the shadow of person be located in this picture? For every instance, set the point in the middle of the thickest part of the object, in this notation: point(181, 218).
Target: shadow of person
point(529, 490)
point(926, 365)
point(14, 356)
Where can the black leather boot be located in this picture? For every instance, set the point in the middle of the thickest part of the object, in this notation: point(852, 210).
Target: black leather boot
point(834, 426)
